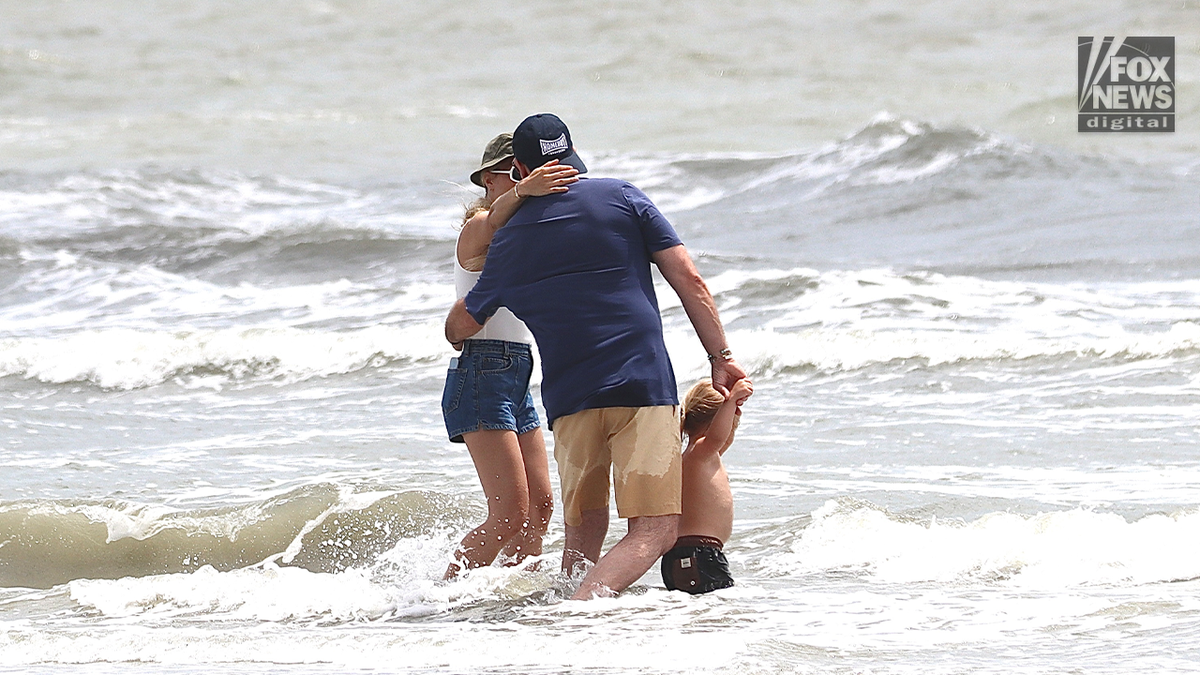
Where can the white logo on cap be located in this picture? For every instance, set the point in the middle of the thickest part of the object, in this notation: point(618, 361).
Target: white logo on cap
point(555, 146)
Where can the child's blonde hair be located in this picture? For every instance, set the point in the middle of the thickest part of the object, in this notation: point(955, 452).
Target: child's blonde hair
point(700, 404)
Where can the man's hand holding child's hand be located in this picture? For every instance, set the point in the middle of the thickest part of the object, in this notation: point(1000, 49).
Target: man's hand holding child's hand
point(742, 390)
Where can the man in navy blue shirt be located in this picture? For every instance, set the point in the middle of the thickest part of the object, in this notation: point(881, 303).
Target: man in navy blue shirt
point(575, 267)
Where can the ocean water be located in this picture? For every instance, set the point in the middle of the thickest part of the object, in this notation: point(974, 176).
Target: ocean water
point(225, 234)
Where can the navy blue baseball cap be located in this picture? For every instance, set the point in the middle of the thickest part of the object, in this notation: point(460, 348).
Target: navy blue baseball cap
point(541, 138)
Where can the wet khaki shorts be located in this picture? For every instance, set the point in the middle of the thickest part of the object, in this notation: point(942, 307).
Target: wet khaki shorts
point(640, 444)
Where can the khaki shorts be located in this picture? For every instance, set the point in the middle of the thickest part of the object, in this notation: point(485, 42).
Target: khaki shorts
point(640, 444)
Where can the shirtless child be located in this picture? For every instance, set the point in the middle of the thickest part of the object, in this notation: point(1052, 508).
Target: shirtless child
point(696, 563)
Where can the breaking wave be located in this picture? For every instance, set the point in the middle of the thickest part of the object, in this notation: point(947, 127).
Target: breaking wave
point(321, 528)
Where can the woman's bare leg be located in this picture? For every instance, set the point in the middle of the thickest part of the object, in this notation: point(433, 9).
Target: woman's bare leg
point(501, 469)
point(541, 499)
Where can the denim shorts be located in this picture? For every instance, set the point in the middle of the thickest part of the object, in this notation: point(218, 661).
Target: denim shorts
point(487, 387)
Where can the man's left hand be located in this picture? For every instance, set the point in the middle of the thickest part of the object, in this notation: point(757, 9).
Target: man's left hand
point(724, 374)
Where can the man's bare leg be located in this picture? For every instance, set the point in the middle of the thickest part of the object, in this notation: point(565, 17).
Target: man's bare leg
point(584, 541)
point(648, 538)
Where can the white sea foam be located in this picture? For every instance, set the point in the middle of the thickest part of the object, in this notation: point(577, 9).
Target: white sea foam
point(768, 351)
point(1049, 550)
point(1091, 486)
point(67, 293)
point(229, 205)
point(403, 582)
point(128, 359)
point(843, 320)
point(267, 593)
point(831, 321)
point(349, 620)
point(454, 647)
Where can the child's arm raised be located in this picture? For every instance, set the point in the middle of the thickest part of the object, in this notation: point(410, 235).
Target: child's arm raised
point(720, 430)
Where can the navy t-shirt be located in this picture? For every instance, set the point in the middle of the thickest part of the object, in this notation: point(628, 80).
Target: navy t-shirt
point(575, 267)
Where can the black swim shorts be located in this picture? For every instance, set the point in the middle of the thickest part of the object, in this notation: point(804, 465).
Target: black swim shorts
point(696, 565)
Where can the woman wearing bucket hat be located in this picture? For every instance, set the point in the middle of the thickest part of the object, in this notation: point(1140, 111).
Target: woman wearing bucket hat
point(486, 403)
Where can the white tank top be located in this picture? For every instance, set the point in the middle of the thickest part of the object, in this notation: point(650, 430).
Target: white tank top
point(503, 325)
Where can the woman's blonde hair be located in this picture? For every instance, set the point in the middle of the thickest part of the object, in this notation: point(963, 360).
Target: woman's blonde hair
point(700, 405)
point(475, 264)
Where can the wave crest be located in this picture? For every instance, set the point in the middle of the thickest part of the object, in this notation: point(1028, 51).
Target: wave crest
point(131, 359)
point(321, 528)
